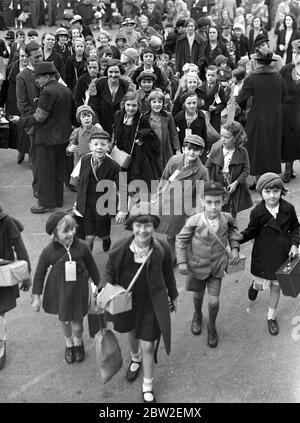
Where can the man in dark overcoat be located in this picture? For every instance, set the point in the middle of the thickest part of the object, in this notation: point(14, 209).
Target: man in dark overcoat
point(55, 112)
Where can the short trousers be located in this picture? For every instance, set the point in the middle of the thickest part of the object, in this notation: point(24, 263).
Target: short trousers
point(94, 224)
point(213, 284)
point(263, 284)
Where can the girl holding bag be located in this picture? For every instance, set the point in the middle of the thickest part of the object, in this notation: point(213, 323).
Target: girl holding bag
point(152, 294)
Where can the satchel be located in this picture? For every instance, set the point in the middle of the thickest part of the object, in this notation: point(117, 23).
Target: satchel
point(120, 156)
point(114, 298)
point(12, 273)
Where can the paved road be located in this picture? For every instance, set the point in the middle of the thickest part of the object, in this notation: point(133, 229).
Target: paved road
point(248, 366)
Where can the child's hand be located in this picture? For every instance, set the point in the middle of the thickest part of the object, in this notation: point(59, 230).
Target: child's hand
point(173, 305)
point(183, 269)
point(73, 148)
point(121, 217)
point(232, 187)
point(36, 302)
point(25, 285)
point(281, 47)
point(212, 108)
point(293, 251)
point(234, 256)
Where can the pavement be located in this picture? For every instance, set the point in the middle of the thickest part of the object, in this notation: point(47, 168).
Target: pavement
point(248, 366)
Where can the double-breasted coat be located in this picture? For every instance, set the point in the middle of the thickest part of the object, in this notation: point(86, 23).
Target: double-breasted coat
point(273, 238)
point(264, 121)
point(290, 149)
point(160, 278)
point(67, 299)
point(239, 169)
point(103, 104)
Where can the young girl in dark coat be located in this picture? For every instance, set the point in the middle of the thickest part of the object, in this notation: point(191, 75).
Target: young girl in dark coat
point(154, 288)
point(228, 163)
point(67, 291)
point(274, 226)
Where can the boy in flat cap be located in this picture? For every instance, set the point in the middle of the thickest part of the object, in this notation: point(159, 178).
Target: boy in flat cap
point(202, 256)
point(274, 227)
point(146, 82)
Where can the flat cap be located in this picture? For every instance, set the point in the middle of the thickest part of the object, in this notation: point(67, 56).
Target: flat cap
point(144, 74)
point(194, 139)
point(213, 188)
point(101, 134)
point(45, 68)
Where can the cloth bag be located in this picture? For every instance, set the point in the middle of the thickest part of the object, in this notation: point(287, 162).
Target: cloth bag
point(13, 273)
point(212, 135)
point(108, 352)
point(114, 298)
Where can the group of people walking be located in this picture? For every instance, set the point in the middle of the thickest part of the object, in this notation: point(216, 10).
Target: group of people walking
point(226, 109)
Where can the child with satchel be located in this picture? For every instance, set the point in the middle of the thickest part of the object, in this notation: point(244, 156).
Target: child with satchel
point(67, 291)
point(152, 294)
point(201, 255)
point(274, 226)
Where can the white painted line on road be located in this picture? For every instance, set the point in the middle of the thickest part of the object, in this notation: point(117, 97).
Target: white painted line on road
point(38, 379)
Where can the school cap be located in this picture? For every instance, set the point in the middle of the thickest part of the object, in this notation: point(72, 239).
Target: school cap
point(220, 59)
point(265, 179)
point(296, 45)
point(213, 188)
point(32, 33)
point(45, 68)
point(84, 108)
point(10, 35)
point(141, 209)
point(194, 139)
point(53, 221)
point(101, 134)
point(146, 75)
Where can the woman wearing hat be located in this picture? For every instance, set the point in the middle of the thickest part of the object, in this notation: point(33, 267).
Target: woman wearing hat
point(286, 36)
point(264, 121)
point(154, 288)
point(66, 291)
point(183, 173)
point(11, 245)
point(290, 149)
point(61, 44)
point(148, 31)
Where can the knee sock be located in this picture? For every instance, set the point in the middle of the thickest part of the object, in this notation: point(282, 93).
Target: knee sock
point(271, 314)
point(2, 328)
point(77, 341)
point(213, 310)
point(198, 305)
point(69, 342)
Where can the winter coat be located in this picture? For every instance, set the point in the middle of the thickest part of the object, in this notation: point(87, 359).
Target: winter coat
point(11, 244)
point(211, 54)
point(103, 105)
point(184, 55)
point(239, 169)
point(67, 299)
point(81, 88)
point(252, 39)
point(161, 81)
point(160, 279)
point(169, 194)
point(290, 149)
point(199, 248)
point(264, 121)
point(273, 238)
point(209, 99)
point(74, 70)
point(198, 126)
point(289, 50)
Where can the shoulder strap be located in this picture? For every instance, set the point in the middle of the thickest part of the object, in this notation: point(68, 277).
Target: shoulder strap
point(138, 272)
point(134, 138)
point(214, 234)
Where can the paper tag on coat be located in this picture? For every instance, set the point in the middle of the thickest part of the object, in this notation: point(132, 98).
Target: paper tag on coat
point(204, 9)
point(217, 98)
point(173, 176)
point(236, 90)
point(188, 132)
point(70, 271)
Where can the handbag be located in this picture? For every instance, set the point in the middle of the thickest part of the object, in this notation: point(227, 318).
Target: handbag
point(12, 273)
point(230, 267)
point(114, 298)
point(120, 156)
point(212, 135)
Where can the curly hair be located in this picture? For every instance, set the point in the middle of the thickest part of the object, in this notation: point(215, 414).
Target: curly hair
point(237, 131)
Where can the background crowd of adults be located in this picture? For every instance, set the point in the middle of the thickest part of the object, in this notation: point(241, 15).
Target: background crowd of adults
point(239, 58)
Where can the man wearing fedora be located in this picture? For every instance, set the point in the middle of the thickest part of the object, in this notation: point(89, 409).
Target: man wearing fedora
point(55, 112)
point(261, 44)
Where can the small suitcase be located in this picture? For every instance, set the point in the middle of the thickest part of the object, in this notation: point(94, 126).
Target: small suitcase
point(288, 276)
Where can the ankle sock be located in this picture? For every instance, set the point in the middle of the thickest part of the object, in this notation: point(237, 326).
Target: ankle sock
point(77, 341)
point(2, 328)
point(136, 358)
point(271, 313)
point(148, 386)
point(69, 342)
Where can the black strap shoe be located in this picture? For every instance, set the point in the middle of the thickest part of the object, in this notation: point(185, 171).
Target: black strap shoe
point(273, 327)
point(148, 398)
point(212, 337)
point(252, 293)
point(69, 355)
point(196, 326)
point(131, 375)
point(79, 353)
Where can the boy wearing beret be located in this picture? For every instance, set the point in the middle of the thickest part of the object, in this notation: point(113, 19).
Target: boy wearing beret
point(202, 249)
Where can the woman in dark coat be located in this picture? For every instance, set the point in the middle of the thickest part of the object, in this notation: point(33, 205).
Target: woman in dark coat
point(290, 150)
point(75, 64)
point(129, 127)
point(18, 139)
point(106, 94)
point(264, 122)
point(214, 47)
point(151, 293)
point(286, 36)
point(11, 246)
point(256, 30)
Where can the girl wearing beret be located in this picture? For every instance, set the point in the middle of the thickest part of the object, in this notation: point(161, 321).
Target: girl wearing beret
point(228, 163)
point(153, 293)
point(67, 291)
point(274, 227)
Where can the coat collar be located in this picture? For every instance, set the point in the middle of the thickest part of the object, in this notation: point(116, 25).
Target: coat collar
point(283, 214)
point(218, 158)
